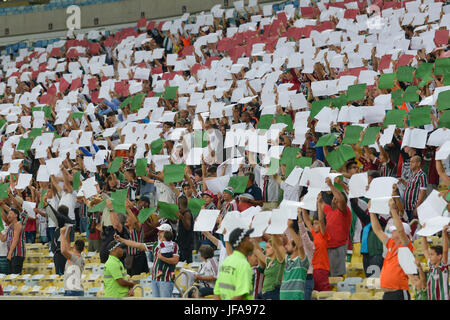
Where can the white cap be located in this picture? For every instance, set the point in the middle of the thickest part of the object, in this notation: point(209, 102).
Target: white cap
point(406, 227)
point(164, 227)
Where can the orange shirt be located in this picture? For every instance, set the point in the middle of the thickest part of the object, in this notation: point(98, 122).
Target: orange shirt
point(320, 257)
point(392, 275)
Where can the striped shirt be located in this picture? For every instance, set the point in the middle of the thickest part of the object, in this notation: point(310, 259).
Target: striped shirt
point(258, 280)
point(155, 248)
point(19, 250)
point(388, 169)
point(417, 182)
point(131, 186)
point(437, 282)
point(294, 277)
point(232, 206)
point(137, 236)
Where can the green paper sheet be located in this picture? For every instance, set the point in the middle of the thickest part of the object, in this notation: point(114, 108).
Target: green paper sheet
point(141, 165)
point(195, 205)
point(286, 118)
point(265, 121)
point(316, 106)
point(170, 93)
point(115, 165)
point(424, 69)
point(297, 162)
point(77, 115)
point(24, 144)
point(238, 183)
point(288, 153)
point(339, 101)
point(35, 132)
point(273, 166)
point(43, 193)
point(395, 116)
point(425, 81)
point(420, 116)
point(444, 121)
point(410, 94)
point(4, 190)
point(174, 172)
point(405, 73)
point(356, 92)
point(397, 97)
point(156, 146)
point(443, 101)
point(136, 102)
point(125, 102)
point(168, 210)
point(145, 213)
point(441, 66)
point(2, 227)
point(387, 81)
point(76, 180)
point(98, 207)
point(346, 151)
point(118, 199)
point(2, 123)
point(447, 196)
point(327, 140)
point(370, 136)
point(335, 160)
point(352, 134)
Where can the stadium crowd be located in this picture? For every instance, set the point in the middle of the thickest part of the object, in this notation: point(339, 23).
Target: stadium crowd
point(302, 131)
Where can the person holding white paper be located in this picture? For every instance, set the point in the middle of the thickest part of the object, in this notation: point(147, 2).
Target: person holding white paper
point(393, 280)
point(339, 219)
point(437, 259)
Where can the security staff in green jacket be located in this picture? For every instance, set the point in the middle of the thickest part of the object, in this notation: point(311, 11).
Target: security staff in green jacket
point(234, 281)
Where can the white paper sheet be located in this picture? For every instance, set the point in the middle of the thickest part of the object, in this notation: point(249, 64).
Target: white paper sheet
point(24, 181)
point(407, 261)
point(28, 207)
point(381, 187)
point(432, 206)
point(278, 222)
point(217, 185)
point(43, 175)
point(357, 185)
point(206, 220)
point(260, 223)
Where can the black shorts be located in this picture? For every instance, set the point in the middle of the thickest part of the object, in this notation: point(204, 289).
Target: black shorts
point(15, 265)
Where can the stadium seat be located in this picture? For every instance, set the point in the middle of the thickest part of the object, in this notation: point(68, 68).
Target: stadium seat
point(324, 295)
point(341, 295)
point(361, 296)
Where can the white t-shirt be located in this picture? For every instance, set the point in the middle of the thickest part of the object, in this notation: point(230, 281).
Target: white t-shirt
point(54, 202)
point(209, 268)
point(69, 200)
point(3, 246)
point(223, 252)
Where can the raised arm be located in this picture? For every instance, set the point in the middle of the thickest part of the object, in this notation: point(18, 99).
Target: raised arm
point(259, 253)
point(376, 227)
point(297, 240)
point(211, 238)
point(306, 219)
point(133, 244)
point(65, 243)
point(441, 172)
point(398, 222)
point(341, 203)
point(280, 251)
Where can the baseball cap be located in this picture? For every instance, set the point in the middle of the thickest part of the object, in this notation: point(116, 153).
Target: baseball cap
point(237, 235)
point(405, 226)
point(208, 193)
point(230, 190)
point(164, 227)
point(246, 196)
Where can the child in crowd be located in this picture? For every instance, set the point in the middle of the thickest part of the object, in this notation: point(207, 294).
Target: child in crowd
point(437, 279)
point(167, 247)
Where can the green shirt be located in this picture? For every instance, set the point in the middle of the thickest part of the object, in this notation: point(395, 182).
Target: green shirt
point(114, 270)
point(235, 278)
point(273, 273)
point(293, 284)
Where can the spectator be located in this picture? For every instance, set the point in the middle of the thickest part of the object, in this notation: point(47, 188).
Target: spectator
point(207, 274)
point(185, 236)
point(393, 279)
point(437, 258)
point(74, 266)
point(162, 286)
point(296, 268)
point(339, 219)
point(15, 241)
point(416, 188)
point(273, 262)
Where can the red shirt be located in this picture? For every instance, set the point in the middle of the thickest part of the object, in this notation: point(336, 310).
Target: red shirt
point(338, 225)
point(30, 225)
point(320, 257)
